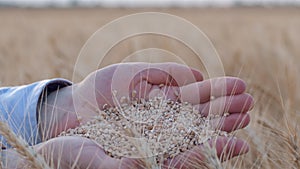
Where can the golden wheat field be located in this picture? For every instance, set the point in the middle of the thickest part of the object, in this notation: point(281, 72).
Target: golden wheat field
point(259, 45)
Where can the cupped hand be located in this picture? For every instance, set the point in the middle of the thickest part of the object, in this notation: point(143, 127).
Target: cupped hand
point(224, 99)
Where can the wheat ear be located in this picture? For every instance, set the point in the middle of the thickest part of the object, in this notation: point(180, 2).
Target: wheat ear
point(33, 158)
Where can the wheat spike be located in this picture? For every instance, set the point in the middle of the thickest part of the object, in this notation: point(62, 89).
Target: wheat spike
point(34, 160)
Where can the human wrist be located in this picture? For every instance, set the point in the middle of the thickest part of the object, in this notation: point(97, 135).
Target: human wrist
point(57, 113)
point(84, 100)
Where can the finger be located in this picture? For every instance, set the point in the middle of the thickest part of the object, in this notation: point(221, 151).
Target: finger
point(167, 92)
point(223, 148)
point(227, 104)
point(143, 89)
point(232, 122)
point(146, 91)
point(75, 152)
point(132, 163)
point(201, 92)
point(131, 76)
point(228, 148)
point(182, 74)
point(93, 156)
point(167, 73)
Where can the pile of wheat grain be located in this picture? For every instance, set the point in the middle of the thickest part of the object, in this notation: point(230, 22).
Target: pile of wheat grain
point(147, 128)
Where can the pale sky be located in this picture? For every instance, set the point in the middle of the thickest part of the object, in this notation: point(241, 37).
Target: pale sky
point(133, 3)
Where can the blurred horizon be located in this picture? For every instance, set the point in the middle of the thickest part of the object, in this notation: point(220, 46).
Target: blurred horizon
point(145, 3)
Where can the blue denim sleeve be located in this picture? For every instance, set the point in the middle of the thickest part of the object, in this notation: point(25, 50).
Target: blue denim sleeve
point(19, 106)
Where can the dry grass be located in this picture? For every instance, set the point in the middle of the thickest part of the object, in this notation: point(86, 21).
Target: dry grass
point(258, 45)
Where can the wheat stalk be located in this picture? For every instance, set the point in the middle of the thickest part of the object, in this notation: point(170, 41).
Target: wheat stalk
point(34, 160)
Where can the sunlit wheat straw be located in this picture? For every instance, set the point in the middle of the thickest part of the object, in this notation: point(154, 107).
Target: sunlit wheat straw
point(27, 152)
